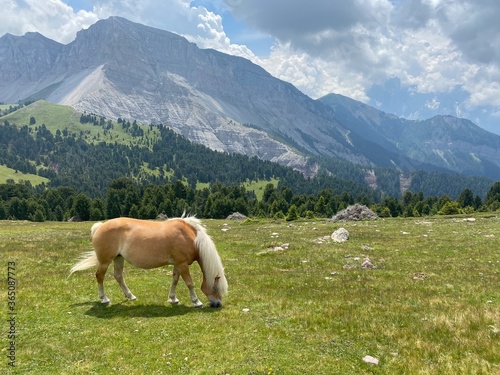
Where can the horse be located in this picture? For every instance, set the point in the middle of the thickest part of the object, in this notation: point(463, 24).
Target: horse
point(151, 244)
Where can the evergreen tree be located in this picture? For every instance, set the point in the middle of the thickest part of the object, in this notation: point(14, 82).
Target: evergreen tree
point(279, 215)
point(268, 192)
point(3, 211)
point(81, 207)
point(477, 202)
point(466, 199)
point(208, 210)
point(18, 209)
point(222, 208)
point(407, 198)
point(59, 213)
point(394, 206)
point(147, 212)
point(493, 194)
point(292, 213)
point(134, 212)
point(113, 204)
point(241, 206)
point(166, 208)
point(320, 208)
point(38, 216)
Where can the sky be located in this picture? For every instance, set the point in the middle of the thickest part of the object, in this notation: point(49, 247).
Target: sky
point(414, 58)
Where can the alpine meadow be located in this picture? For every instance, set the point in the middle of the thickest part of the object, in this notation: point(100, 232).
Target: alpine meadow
point(429, 304)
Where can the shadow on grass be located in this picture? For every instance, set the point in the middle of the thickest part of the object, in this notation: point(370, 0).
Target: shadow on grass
point(131, 310)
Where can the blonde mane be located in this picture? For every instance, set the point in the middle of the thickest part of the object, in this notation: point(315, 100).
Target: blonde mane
point(209, 258)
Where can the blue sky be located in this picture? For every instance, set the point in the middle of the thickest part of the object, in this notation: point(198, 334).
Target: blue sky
point(414, 58)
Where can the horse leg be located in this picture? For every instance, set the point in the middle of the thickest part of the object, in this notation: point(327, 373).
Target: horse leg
point(189, 282)
point(175, 279)
point(118, 273)
point(101, 271)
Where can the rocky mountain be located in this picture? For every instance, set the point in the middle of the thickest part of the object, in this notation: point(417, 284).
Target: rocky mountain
point(117, 68)
point(441, 142)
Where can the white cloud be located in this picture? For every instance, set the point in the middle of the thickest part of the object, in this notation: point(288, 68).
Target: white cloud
point(52, 18)
point(433, 104)
point(210, 34)
point(312, 76)
point(484, 92)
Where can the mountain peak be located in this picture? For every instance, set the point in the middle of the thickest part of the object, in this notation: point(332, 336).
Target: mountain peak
point(115, 28)
point(26, 57)
point(29, 38)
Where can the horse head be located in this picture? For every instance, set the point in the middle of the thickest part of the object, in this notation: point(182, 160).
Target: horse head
point(213, 293)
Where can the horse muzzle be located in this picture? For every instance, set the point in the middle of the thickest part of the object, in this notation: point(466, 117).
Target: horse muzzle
point(216, 304)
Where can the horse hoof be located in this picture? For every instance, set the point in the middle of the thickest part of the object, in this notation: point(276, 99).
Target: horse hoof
point(216, 304)
point(105, 301)
point(132, 298)
point(198, 305)
point(173, 301)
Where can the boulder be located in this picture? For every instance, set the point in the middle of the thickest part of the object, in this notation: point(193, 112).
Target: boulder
point(355, 212)
point(340, 235)
point(236, 216)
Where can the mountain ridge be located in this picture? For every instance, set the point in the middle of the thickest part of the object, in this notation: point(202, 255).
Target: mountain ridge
point(444, 141)
point(117, 68)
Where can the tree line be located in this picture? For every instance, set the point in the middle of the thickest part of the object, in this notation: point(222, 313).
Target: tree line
point(124, 197)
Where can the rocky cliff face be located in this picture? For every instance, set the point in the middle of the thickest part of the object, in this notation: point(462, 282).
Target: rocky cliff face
point(24, 62)
point(117, 68)
point(442, 142)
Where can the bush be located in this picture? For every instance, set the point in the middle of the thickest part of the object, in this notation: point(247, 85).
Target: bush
point(450, 208)
point(279, 215)
point(309, 214)
point(385, 212)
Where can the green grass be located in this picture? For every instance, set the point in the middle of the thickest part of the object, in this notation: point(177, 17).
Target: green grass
point(258, 186)
point(55, 117)
point(431, 305)
point(10, 174)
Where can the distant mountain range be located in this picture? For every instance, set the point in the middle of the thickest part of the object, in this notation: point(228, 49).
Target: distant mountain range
point(120, 69)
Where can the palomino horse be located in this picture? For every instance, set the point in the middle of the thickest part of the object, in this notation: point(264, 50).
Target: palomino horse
point(150, 244)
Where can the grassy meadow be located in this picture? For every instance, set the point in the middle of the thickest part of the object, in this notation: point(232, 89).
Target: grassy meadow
point(430, 305)
point(11, 174)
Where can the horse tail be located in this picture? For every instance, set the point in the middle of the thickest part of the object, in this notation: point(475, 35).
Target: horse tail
point(94, 228)
point(209, 257)
point(88, 259)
